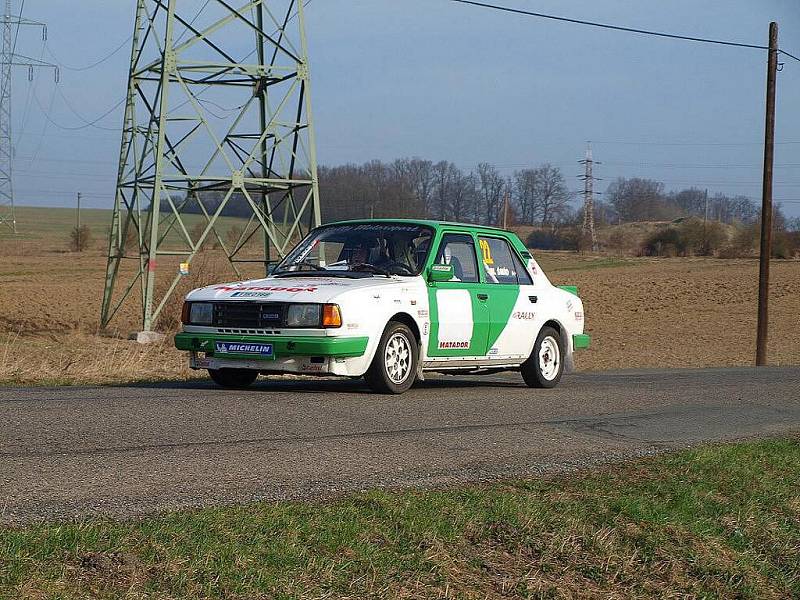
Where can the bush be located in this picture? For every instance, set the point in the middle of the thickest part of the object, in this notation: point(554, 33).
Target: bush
point(80, 238)
point(553, 239)
point(687, 237)
point(664, 242)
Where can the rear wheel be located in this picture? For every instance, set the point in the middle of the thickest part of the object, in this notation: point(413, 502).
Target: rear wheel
point(233, 378)
point(545, 365)
point(394, 368)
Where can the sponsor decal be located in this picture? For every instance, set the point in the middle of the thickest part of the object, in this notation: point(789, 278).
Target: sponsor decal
point(440, 267)
point(311, 368)
point(413, 302)
point(183, 269)
point(453, 345)
point(425, 329)
point(250, 294)
point(524, 315)
point(243, 348)
point(353, 325)
point(302, 256)
point(422, 314)
point(569, 305)
point(493, 351)
point(578, 315)
point(265, 288)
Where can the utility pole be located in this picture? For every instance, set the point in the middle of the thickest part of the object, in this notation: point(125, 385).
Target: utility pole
point(705, 219)
point(8, 59)
point(78, 225)
point(218, 114)
point(766, 200)
point(588, 233)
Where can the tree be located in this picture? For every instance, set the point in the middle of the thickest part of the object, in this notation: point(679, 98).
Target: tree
point(490, 194)
point(419, 176)
point(80, 238)
point(552, 194)
point(524, 194)
point(638, 199)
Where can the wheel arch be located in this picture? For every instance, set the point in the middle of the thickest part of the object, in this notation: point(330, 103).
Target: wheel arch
point(410, 322)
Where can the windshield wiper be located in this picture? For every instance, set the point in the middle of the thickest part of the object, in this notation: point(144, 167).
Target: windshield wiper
point(371, 268)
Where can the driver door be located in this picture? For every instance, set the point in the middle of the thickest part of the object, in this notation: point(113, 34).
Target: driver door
point(459, 311)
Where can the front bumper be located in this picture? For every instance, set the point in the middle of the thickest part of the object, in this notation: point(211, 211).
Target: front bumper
point(283, 345)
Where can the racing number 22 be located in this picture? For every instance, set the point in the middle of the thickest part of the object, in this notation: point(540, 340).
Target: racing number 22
point(486, 251)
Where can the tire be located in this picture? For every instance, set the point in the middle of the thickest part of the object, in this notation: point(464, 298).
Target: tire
point(394, 367)
point(545, 365)
point(233, 378)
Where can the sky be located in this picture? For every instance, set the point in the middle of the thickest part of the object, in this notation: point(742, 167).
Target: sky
point(442, 80)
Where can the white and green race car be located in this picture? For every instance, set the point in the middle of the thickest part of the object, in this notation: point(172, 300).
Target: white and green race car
point(389, 300)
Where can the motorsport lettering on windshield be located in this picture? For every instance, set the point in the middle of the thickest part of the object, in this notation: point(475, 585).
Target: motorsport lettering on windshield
point(361, 250)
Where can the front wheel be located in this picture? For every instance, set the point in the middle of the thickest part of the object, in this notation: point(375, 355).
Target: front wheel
point(233, 378)
point(394, 368)
point(545, 365)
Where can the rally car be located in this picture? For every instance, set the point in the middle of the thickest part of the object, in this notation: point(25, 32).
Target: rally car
point(389, 300)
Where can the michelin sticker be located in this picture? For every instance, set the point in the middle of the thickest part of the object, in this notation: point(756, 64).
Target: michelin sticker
point(243, 348)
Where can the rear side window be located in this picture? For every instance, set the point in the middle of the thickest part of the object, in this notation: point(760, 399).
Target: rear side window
point(459, 250)
point(500, 264)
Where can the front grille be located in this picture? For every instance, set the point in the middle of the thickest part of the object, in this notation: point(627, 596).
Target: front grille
point(249, 315)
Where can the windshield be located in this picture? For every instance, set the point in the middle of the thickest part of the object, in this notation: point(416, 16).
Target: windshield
point(377, 248)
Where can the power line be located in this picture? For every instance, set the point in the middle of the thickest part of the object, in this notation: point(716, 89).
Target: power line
point(784, 52)
point(92, 65)
point(83, 119)
point(649, 143)
point(86, 124)
point(613, 27)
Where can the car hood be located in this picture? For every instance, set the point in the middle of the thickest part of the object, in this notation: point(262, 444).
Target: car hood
point(289, 289)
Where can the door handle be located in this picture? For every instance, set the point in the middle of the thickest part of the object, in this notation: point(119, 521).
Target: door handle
point(483, 296)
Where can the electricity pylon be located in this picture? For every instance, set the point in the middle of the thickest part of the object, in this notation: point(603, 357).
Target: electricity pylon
point(8, 59)
point(588, 234)
point(218, 115)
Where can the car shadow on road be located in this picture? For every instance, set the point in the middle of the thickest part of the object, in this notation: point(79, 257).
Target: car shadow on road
point(316, 386)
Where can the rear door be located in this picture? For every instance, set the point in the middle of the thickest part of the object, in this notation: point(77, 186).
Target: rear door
point(513, 318)
point(459, 310)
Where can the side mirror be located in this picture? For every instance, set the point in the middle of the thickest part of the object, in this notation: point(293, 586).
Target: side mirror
point(441, 273)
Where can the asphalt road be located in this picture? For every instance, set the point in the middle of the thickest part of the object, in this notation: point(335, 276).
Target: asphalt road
point(122, 451)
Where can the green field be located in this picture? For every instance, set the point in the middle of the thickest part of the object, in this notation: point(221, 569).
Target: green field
point(53, 225)
point(718, 522)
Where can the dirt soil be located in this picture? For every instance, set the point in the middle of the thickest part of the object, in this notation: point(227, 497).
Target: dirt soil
point(685, 312)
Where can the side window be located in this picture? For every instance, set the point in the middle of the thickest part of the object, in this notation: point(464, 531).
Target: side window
point(500, 264)
point(459, 251)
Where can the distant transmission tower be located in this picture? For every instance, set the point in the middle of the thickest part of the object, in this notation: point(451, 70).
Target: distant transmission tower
point(8, 59)
point(588, 234)
point(218, 115)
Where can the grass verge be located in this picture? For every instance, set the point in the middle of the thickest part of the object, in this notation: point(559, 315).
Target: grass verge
point(720, 521)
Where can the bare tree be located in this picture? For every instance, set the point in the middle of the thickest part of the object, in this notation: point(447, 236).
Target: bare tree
point(419, 175)
point(525, 198)
point(490, 193)
point(551, 193)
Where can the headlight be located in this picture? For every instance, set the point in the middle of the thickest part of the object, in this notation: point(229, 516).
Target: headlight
point(303, 315)
point(201, 313)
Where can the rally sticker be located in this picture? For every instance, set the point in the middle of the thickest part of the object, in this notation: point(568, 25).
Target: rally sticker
point(250, 294)
point(451, 345)
point(243, 348)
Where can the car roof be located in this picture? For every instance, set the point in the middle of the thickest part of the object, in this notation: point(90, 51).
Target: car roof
point(428, 223)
